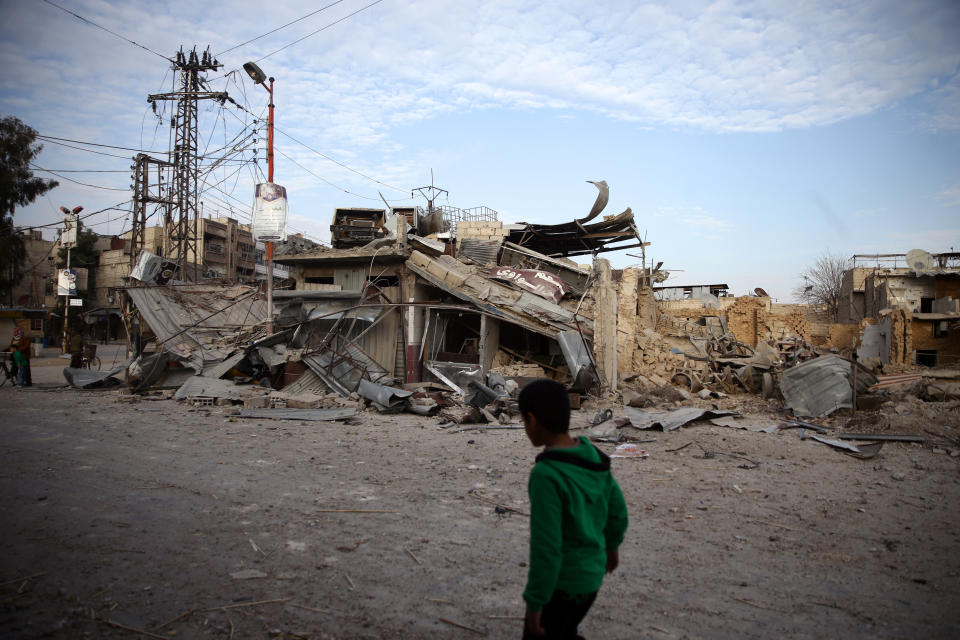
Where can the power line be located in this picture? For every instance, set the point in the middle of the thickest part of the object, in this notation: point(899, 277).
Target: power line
point(85, 184)
point(337, 162)
point(279, 28)
point(88, 170)
point(318, 177)
point(102, 153)
point(96, 144)
point(335, 22)
point(83, 217)
point(91, 22)
point(247, 211)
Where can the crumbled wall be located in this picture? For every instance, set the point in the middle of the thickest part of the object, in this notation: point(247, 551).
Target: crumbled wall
point(646, 309)
point(845, 335)
point(627, 321)
point(604, 323)
point(901, 337)
point(750, 319)
point(746, 318)
point(652, 356)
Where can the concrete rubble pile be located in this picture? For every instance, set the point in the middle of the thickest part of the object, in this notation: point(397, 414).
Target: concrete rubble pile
point(451, 323)
point(425, 316)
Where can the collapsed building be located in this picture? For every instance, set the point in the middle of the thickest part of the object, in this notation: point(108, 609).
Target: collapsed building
point(905, 306)
point(440, 310)
point(411, 308)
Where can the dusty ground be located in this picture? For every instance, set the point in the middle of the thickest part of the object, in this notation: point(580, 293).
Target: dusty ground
point(155, 517)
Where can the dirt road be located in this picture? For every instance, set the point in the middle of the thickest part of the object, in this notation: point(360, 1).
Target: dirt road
point(180, 522)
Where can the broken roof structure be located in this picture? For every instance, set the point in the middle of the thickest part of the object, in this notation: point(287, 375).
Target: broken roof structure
point(577, 238)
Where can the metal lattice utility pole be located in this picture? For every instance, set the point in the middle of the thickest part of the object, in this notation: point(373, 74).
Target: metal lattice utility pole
point(142, 196)
point(180, 226)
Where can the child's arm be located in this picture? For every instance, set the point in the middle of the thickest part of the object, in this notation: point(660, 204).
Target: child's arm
point(616, 525)
point(613, 560)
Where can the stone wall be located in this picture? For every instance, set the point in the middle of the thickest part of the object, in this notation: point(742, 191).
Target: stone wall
point(627, 321)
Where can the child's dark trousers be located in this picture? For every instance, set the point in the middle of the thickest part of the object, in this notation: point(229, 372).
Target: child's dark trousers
point(562, 615)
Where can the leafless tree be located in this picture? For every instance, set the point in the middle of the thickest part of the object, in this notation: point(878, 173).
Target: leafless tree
point(822, 282)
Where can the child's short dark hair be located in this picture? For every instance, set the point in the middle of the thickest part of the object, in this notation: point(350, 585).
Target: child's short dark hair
point(549, 402)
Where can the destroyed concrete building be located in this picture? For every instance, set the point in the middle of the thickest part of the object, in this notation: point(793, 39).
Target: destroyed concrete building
point(905, 306)
point(459, 318)
point(415, 310)
point(424, 315)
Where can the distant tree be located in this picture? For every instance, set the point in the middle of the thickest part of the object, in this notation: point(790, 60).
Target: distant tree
point(822, 282)
point(18, 188)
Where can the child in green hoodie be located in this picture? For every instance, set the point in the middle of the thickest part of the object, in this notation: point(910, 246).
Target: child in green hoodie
point(577, 520)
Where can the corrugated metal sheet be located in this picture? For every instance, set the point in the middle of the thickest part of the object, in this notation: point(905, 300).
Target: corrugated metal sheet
point(297, 414)
point(308, 382)
point(820, 386)
point(482, 252)
point(343, 370)
point(219, 370)
point(349, 278)
point(201, 387)
point(380, 343)
point(198, 324)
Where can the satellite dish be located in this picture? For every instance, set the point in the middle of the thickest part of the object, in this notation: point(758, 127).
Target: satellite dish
point(919, 260)
point(761, 293)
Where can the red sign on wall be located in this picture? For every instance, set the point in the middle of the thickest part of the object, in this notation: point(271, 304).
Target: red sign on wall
point(543, 283)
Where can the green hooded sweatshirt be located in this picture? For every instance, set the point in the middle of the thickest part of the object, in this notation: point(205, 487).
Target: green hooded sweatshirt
point(577, 512)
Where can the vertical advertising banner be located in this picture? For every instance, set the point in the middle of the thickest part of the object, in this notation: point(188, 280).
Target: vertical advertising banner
point(270, 213)
point(66, 282)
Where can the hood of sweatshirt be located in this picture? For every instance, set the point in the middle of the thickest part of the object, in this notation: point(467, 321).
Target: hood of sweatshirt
point(586, 463)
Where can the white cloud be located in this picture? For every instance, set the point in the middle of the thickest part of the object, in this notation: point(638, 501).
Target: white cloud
point(694, 217)
point(712, 66)
point(950, 196)
point(716, 66)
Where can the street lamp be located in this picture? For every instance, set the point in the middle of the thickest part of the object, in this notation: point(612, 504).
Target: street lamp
point(259, 77)
point(69, 237)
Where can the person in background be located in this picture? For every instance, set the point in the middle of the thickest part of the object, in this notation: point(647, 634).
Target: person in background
point(23, 368)
point(76, 350)
point(21, 343)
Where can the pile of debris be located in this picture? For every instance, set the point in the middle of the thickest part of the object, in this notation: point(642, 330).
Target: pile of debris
point(430, 320)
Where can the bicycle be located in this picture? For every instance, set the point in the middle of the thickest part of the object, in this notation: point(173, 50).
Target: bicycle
point(89, 360)
point(5, 372)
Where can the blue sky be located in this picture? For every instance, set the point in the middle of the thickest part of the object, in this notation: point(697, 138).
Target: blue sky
point(747, 137)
